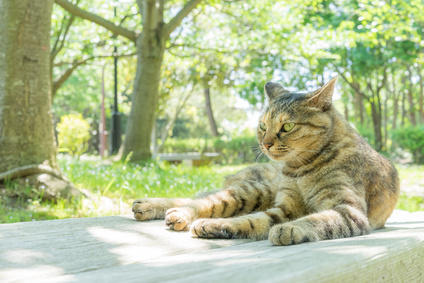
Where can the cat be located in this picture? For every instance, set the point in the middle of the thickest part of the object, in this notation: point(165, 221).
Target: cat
point(324, 180)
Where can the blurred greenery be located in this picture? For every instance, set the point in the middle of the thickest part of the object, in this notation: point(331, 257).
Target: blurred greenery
point(112, 186)
point(411, 139)
point(231, 48)
point(73, 133)
point(232, 150)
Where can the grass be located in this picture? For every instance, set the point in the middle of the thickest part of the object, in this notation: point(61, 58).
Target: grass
point(112, 186)
point(410, 203)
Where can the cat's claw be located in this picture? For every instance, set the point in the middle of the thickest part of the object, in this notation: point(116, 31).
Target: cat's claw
point(178, 219)
point(288, 234)
point(212, 229)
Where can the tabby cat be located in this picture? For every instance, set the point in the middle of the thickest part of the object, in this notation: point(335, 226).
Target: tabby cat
point(325, 181)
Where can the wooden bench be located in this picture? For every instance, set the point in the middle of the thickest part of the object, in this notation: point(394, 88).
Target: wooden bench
point(189, 158)
point(119, 249)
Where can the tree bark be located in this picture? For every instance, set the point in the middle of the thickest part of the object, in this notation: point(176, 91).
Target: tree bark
point(26, 128)
point(403, 114)
point(376, 118)
point(395, 96)
point(27, 143)
point(421, 95)
point(385, 121)
point(209, 111)
point(143, 108)
point(150, 50)
point(411, 99)
point(150, 45)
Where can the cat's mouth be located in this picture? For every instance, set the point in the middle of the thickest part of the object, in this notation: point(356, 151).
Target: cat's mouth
point(275, 155)
point(275, 152)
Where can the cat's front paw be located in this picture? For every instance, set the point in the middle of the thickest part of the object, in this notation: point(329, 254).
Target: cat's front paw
point(288, 234)
point(148, 209)
point(179, 219)
point(213, 228)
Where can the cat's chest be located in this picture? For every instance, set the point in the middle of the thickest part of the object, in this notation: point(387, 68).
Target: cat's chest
point(303, 185)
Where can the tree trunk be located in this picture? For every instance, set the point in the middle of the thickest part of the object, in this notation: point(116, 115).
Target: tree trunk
point(346, 111)
point(411, 99)
point(359, 107)
point(421, 95)
point(26, 128)
point(376, 119)
point(209, 112)
point(385, 120)
point(144, 104)
point(403, 114)
point(150, 47)
point(27, 144)
point(395, 95)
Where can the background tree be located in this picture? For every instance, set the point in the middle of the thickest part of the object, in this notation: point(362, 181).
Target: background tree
point(150, 44)
point(27, 145)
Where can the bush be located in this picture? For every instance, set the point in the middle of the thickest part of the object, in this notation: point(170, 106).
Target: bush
point(73, 134)
point(411, 138)
point(367, 132)
point(236, 150)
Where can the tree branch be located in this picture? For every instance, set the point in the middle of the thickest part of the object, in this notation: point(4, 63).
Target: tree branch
point(216, 50)
point(59, 82)
point(176, 21)
point(30, 170)
point(60, 42)
point(354, 86)
point(116, 30)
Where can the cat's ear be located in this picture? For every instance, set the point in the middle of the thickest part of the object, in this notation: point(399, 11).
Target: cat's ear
point(321, 98)
point(273, 90)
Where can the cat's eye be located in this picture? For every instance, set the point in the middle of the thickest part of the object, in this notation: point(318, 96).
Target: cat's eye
point(262, 126)
point(287, 127)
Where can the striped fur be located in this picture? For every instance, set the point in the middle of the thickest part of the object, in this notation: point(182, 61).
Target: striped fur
point(324, 181)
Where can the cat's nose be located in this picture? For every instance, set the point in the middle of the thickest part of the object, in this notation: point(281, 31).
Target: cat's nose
point(268, 145)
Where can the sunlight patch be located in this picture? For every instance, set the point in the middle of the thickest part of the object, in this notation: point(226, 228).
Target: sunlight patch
point(40, 273)
point(23, 256)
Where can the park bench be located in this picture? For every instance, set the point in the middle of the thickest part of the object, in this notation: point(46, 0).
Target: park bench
point(189, 158)
point(120, 249)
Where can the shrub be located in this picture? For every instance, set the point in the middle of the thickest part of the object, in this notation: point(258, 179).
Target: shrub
point(73, 134)
point(411, 138)
point(367, 132)
point(237, 150)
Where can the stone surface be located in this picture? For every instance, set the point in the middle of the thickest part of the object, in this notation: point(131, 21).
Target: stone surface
point(119, 249)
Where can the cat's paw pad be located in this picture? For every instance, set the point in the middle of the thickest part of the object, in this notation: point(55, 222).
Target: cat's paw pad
point(287, 234)
point(213, 228)
point(178, 219)
point(147, 209)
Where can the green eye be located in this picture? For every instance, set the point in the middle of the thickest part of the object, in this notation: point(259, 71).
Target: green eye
point(287, 127)
point(262, 126)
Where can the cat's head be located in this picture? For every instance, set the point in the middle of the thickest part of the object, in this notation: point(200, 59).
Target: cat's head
point(294, 125)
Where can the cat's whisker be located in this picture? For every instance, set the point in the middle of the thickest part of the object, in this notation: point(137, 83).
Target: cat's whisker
point(259, 156)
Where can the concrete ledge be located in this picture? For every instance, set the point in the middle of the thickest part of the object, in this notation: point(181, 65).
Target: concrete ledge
point(119, 249)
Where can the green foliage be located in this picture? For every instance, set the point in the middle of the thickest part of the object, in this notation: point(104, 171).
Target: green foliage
point(411, 203)
point(237, 150)
point(412, 139)
point(73, 134)
point(366, 132)
point(112, 186)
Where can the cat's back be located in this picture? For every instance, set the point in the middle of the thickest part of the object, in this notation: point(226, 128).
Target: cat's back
point(371, 171)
